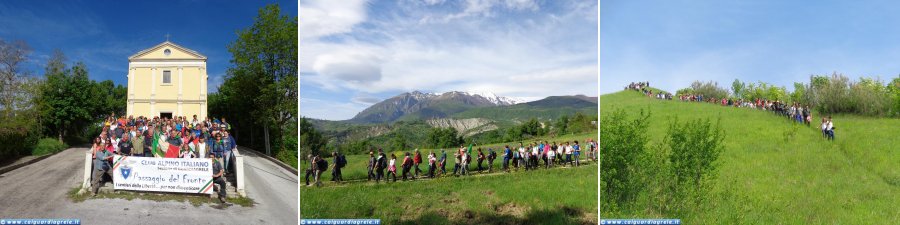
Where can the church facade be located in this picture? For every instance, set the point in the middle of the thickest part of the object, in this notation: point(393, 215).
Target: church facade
point(167, 80)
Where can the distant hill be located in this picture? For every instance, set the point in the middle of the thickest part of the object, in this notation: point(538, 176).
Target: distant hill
point(419, 105)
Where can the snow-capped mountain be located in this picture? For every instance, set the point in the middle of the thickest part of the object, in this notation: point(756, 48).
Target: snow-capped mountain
point(430, 105)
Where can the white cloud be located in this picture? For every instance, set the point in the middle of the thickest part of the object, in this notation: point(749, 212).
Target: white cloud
point(324, 17)
point(353, 67)
point(534, 55)
point(312, 108)
point(365, 99)
point(484, 8)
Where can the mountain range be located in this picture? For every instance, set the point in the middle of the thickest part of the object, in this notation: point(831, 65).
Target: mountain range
point(418, 105)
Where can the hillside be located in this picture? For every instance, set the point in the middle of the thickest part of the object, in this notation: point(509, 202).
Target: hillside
point(775, 172)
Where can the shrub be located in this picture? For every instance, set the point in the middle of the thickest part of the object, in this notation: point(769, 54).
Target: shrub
point(695, 146)
point(837, 94)
point(287, 156)
point(48, 146)
point(622, 143)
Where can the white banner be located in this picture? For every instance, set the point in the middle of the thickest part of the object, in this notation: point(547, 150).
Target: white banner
point(163, 174)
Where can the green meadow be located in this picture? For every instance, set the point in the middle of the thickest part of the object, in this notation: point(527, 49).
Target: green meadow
point(774, 171)
point(562, 195)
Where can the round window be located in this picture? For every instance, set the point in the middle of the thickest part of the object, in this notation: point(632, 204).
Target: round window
point(167, 52)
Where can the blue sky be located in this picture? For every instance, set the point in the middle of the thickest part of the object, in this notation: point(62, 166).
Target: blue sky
point(103, 34)
point(355, 53)
point(672, 43)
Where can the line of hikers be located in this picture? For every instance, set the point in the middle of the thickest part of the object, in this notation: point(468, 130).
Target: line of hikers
point(795, 112)
point(381, 166)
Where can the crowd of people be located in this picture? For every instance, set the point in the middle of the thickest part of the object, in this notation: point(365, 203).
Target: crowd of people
point(644, 87)
point(164, 138)
point(380, 166)
point(795, 112)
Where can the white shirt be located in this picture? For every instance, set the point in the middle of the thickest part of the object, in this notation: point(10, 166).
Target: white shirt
point(551, 153)
point(568, 149)
point(534, 151)
point(830, 126)
point(115, 143)
point(201, 148)
point(391, 163)
point(186, 154)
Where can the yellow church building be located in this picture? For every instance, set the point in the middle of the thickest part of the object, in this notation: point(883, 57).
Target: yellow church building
point(167, 80)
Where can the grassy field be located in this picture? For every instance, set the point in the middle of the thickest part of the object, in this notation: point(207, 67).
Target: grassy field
point(774, 171)
point(356, 164)
point(554, 196)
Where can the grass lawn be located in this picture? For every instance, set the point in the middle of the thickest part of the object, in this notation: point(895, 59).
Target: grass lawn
point(775, 171)
point(554, 196)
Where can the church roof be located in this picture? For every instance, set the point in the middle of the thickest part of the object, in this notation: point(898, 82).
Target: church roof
point(167, 43)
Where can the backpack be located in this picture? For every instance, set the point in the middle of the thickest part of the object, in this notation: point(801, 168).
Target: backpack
point(323, 165)
point(382, 163)
point(341, 161)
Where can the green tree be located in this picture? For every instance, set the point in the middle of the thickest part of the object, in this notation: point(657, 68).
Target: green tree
point(443, 137)
point(562, 125)
point(738, 88)
point(67, 101)
point(311, 140)
point(260, 89)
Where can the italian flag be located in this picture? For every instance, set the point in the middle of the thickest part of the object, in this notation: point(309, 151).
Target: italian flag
point(156, 146)
point(173, 151)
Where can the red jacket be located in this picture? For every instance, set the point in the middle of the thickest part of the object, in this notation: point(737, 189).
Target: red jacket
point(418, 158)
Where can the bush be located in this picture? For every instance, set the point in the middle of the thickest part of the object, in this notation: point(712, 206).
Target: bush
point(695, 146)
point(837, 94)
point(48, 146)
point(287, 156)
point(622, 142)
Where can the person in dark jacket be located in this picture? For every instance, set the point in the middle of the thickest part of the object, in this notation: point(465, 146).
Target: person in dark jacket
point(336, 172)
point(491, 156)
point(407, 165)
point(380, 165)
point(125, 146)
